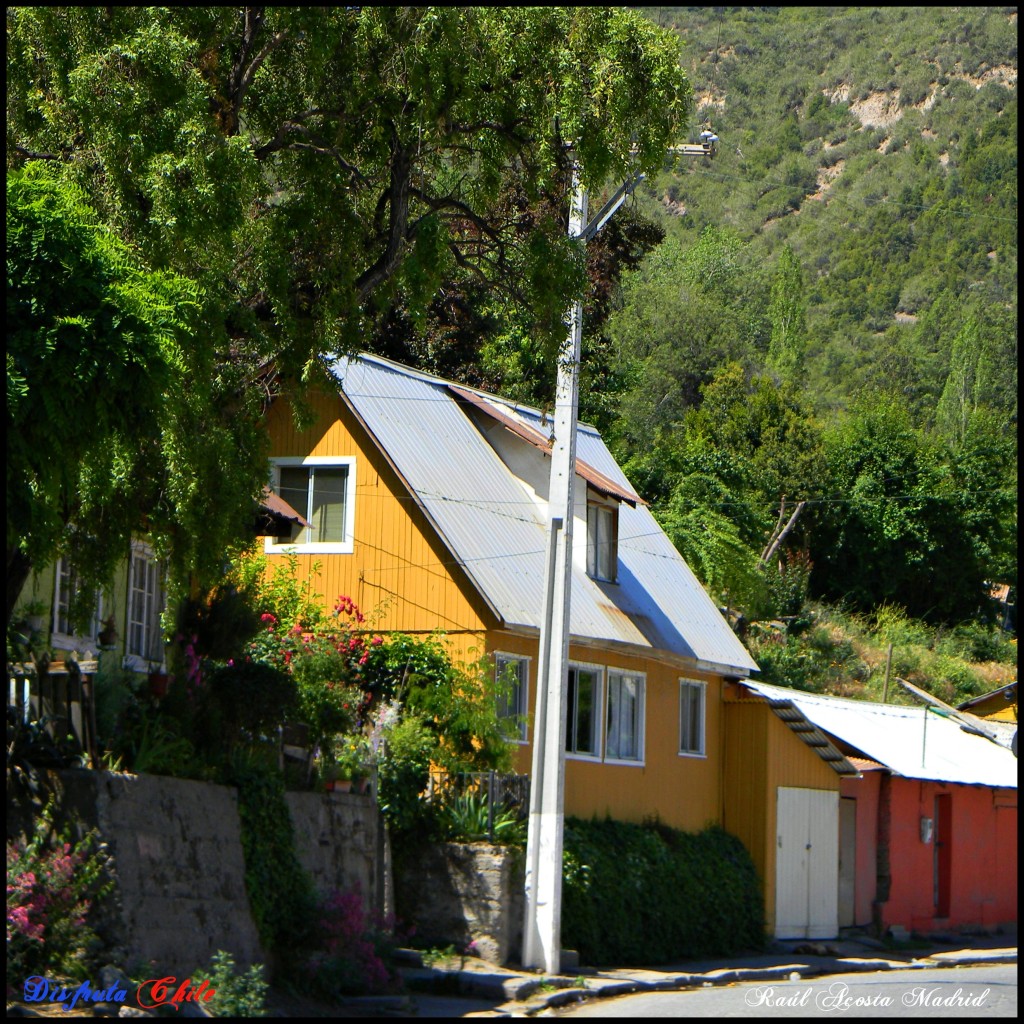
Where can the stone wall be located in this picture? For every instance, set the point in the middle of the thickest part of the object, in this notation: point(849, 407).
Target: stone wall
point(457, 893)
point(178, 860)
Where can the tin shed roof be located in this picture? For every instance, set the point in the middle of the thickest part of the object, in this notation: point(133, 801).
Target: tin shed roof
point(911, 741)
point(494, 521)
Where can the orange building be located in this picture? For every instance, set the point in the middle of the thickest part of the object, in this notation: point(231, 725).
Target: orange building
point(922, 836)
point(428, 507)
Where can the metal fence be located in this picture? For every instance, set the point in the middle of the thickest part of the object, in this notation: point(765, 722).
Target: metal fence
point(60, 699)
point(501, 793)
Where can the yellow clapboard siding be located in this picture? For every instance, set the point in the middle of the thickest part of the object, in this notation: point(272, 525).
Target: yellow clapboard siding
point(761, 755)
point(399, 574)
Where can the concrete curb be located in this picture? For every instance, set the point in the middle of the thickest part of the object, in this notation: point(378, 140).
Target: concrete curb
point(518, 994)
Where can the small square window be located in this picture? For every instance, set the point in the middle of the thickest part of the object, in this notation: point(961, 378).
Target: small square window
point(691, 716)
point(323, 491)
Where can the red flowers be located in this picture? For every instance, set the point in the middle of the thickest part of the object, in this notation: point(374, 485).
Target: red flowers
point(346, 606)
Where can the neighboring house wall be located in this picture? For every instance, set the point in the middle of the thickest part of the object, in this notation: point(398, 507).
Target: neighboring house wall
point(762, 755)
point(136, 647)
point(982, 875)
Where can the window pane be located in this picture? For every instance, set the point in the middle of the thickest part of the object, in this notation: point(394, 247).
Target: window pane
point(137, 608)
point(570, 711)
point(624, 709)
point(605, 566)
point(328, 506)
point(61, 619)
point(294, 488)
point(592, 540)
point(691, 718)
point(511, 674)
point(585, 710)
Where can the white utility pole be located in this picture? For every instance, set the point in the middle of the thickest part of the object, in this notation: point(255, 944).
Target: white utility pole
point(542, 928)
point(542, 925)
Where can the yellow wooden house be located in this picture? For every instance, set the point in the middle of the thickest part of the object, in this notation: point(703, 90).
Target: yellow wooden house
point(427, 503)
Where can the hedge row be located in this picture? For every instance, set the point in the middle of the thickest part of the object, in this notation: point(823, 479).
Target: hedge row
point(647, 894)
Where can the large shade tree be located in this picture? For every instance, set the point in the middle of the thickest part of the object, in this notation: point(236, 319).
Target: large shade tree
point(303, 166)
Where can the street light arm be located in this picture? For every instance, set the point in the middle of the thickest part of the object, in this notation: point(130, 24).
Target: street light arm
point(607, 211)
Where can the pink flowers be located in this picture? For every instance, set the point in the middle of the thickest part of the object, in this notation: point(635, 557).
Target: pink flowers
point(48, 897)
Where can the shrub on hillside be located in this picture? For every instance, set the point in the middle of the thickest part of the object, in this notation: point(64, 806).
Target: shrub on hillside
point(649, 894)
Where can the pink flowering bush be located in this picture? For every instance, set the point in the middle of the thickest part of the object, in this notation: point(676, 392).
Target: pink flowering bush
point(51, 886)
point(352, 949)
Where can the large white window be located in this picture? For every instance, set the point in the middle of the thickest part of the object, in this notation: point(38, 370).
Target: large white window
point(691, 717)
point(583, 706)
point(602, 541)
point(322, 489)
point(512, 674)
point(66, 589)
point(625, 720)
point(144, 646)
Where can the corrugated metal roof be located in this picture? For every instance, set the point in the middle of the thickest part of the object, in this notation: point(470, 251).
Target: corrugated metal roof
point(496, 529)
point(897, 737)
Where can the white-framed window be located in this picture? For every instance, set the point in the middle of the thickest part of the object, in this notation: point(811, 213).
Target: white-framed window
point(624, 733)
point(322, 489)
point(513, 673)
point(692, 707)
point(144, 646)
point(66, 588)
point(583, 710)
point(602, 541)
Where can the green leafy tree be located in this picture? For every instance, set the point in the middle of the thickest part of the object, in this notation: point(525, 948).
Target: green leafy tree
point(787, 313)
point(305, 163)
point(911, 521)
point(113, 418)
point(303, 166)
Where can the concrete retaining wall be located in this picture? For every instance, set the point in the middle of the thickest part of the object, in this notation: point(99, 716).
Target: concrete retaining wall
point(180, 871)
point(457, 893)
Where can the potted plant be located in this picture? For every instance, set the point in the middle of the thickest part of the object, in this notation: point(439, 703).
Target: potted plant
point(347, 762)
point(159, 681)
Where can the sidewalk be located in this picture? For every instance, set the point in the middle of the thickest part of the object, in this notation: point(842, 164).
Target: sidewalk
point(475, 988)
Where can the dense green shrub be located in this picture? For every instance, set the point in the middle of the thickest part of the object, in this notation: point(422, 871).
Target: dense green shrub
point(649, 894)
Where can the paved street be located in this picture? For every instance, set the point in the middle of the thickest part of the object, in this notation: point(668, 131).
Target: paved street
point(985, 991)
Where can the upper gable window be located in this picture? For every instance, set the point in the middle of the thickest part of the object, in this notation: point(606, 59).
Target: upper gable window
point(322, 490)
point(602, 541)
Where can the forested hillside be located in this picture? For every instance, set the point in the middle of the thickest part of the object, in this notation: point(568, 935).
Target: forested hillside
point(802, 351)
point(823, 318)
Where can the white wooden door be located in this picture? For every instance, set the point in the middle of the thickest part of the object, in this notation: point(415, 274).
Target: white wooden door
point(807, 864)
